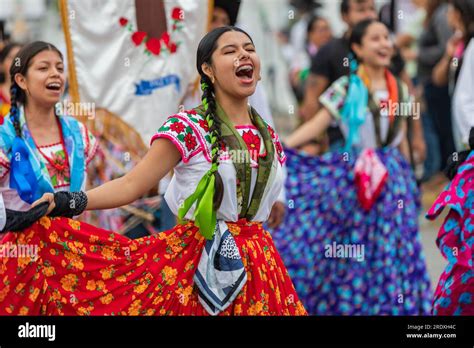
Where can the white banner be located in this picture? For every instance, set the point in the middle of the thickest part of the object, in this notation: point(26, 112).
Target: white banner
point(139, 76)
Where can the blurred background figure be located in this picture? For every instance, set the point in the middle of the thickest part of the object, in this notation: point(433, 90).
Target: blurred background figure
point(330, 63)
point(437, 122)
point(224, 13)
point(305, 10)
point(407, 37)
point(456, 68)
point(7, 54)
point(318, 33)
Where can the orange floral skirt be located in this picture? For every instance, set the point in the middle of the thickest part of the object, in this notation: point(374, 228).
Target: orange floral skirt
point(79, 269)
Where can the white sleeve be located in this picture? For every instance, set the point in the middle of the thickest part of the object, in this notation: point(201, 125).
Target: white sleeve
point(463, 104)
point(3, 213)
point(282, 196)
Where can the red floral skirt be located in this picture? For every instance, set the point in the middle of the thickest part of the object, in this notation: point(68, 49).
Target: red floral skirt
point(79, 269)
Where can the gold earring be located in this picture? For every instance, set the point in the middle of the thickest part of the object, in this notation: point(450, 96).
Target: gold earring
point(213, 79)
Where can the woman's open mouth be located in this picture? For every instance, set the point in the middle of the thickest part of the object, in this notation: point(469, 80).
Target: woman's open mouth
point(383, 54)
point(54, 86)
point(245, 73)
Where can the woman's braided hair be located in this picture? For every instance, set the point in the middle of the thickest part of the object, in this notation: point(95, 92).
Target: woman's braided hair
point(214, 124)
point(20, 65)
point(206, 48)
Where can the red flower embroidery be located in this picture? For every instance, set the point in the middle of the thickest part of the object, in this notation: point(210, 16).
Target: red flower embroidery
point(173, 47)
point(278, 148)
point(272, 132)
point(59, 161)
point(123, 21)
point(154, 46)
point(177, 14)
point(165, 38)
point(253, 144)
point(192, 112)
point(190, 141)
point(204, 125)
point(177, 127)
point(138, 37)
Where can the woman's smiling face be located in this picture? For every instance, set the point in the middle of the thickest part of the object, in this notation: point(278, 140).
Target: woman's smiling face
point(45, 78)
point(376, 48)
point(235, 65)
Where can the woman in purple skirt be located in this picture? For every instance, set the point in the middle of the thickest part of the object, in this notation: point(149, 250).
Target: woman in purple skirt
point(350, 240)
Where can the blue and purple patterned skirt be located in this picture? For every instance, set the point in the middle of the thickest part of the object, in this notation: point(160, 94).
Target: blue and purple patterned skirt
point(342, 259)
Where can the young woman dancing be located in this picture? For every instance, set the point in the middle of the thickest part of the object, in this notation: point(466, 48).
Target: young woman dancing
point(354, 247)
point(220, 261)
point(41, 150)
point(455, 290)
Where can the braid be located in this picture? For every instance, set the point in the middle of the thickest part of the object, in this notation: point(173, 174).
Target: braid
point(14, 112)
point(214, 123)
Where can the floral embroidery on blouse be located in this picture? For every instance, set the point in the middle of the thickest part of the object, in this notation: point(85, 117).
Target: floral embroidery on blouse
point(59, 172)
point(253, 142)
point(183, 134)
point(189, 132)
point(177, 127)
point(59, 178)
point(278, 147)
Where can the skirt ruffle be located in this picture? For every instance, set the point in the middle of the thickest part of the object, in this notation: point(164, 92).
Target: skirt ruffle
point(79, 269)
point(390, 276)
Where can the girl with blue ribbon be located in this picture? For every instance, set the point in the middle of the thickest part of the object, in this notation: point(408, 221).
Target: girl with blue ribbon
point(40, 151)
point(361, 196)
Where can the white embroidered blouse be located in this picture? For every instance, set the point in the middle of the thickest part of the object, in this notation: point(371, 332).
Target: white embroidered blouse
point(189, 132)
point(9, 198)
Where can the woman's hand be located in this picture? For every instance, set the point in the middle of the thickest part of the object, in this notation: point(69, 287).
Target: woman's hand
point(276, 215)
point(47, 197)
point(453, 43)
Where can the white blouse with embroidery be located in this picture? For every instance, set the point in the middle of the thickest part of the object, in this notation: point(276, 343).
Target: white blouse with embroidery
point(333, 100)
point(10, 199)
point(189, 132)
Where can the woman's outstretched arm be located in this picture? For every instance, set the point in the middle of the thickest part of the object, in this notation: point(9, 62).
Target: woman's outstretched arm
point(310, 129)
point(159, 160)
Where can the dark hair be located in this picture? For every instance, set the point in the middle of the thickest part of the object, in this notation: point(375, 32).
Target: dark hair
point(20, 65)
point(311, 22)
point(358, 33)
point(432, 6)
point(345, 5)
point(305, 5)
point(206, 48)
point(7, 49)
point(309, 27)
point(458, 158)
point(466, 9)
